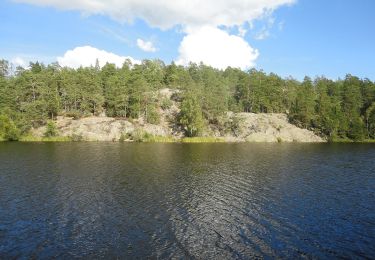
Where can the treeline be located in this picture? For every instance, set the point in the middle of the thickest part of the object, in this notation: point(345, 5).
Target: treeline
point(342, 109)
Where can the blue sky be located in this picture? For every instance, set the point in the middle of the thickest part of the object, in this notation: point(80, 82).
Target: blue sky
point(294, 38)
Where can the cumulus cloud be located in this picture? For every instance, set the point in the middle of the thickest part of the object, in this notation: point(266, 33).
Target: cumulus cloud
point(265, 32)
point(241, 31)
point(199, 20)
point(86, 56)
point(18, 61)
point(168, 13)
point(217, 48)
point(146, 46)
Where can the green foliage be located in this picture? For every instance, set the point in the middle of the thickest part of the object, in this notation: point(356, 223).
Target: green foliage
point(201, 139)
point(190, 116)
point(124, 137)
point(340, 110)
point(356, 130)
point(234, 125)
point(166, 103)
point(29, 138)
point(370, 120)
point(214, 93)
point(51, 129)
point(153, 116)
point(230, 124)
point(76, 137)
point(140, 135)
point(8, 129)
point(76, 114)
point(159, 139)
point(303, 108)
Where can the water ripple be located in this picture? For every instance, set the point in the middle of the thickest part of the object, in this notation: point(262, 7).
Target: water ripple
point(209, 201)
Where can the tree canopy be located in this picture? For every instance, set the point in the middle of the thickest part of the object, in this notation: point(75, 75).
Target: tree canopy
point(32, 96)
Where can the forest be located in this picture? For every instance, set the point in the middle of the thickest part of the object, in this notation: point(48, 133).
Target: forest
point(343, 109)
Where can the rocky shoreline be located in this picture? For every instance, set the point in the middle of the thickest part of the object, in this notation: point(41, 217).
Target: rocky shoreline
point(249, 127)
point(230, 127)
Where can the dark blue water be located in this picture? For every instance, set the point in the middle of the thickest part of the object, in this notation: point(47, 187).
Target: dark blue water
point(204, 201)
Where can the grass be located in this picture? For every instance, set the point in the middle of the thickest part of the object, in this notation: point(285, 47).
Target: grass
point(144, 137)
point(205, 139)
point(159, 139)
point(141, 136)
point(346, 140)
point(30, 138)
point(147, 138)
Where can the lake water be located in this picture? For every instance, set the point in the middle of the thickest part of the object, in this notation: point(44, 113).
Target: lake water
point(203, 201)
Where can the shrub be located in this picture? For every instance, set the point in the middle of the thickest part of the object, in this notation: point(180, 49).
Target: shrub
point(125, 136)
point(76, 114)
point(138, 135)
point(153, 116)
point(166, 103)
point(8, 129)
point(13, 134)
point(235, 125)
point(51, 129)
point(76, 137)
point(206, 139)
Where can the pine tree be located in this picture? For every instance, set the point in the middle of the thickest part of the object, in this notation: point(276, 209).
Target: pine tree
point(190, 117)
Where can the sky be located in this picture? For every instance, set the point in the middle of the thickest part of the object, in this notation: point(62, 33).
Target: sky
point(287, 37)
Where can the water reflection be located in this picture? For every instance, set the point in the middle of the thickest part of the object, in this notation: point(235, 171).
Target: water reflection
point(186, 200)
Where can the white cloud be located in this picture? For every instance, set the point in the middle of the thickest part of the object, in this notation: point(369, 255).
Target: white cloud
point(86, 56)
point(199, 20)
point(265, 32)
point(146, 46)
point(18, 61)
point(241, 31)
point(168, 13)
point(217, 48)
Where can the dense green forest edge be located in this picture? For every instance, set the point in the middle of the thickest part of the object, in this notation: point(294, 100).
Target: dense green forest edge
point(31, 97)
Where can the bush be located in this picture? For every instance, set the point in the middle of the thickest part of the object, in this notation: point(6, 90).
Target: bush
point(51, 129)
point(8, 129)
point(137, 135)
point(140, 135)
point(356, 131)
point(76, 137)
point(166, 103)
point(234, 125)
point(206, 139)
point(76, 114)
point(153, 116)
point(23, 125)
point(13, 134)
point(125, 136)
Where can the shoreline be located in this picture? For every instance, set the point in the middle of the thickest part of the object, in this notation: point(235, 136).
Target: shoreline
point(63, 139)
point(162, 139)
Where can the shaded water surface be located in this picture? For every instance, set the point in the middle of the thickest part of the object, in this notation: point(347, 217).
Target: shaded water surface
point(202, 201)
